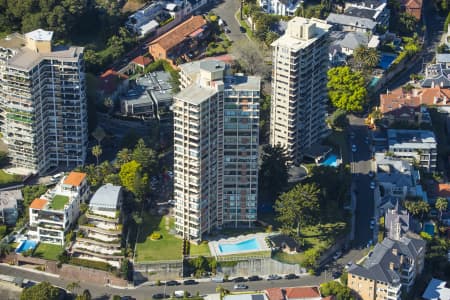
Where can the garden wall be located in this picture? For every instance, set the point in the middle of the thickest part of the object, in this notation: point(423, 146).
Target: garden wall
point(259, 266)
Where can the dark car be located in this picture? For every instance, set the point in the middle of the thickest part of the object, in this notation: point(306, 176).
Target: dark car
point(159, 296)
point(239, 279)
point(189, 282)
point(172, 282)
point(242, 29)
point(254, 278)
point(290, 276)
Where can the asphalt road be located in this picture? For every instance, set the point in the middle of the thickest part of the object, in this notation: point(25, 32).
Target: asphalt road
point(360, 166)
point(226, 10)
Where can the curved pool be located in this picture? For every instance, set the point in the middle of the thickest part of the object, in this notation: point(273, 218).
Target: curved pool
point(247, 245)
point(331, 160)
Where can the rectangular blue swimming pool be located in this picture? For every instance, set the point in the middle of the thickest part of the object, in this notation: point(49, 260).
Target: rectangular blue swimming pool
point(26, 245)
point(248, 245)
point(386, 60)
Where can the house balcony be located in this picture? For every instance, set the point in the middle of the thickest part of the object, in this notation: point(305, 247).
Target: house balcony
point(106, 244)
point(92, 216)
point(95, 254)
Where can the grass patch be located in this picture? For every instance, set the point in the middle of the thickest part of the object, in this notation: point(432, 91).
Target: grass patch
point(48, 251)
point(242, 256)
point(168, 247)
point(202, 249)
point(58, 202)
point(296, 258)
point(6, 178)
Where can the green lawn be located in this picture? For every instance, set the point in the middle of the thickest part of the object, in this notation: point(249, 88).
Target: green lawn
point(59, 201)
point(202, 249)
point(48, 251)
point(6, 178)
point(168, 247)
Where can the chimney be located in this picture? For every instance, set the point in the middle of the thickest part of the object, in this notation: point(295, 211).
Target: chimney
point(432, 84)
point(442, 84)
point(402, 258)
point(394, 251)
point(391, 266)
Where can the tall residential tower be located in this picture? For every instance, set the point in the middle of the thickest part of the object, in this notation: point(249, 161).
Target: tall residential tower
point(299, 92)
point(42, 101)
point(216, 128)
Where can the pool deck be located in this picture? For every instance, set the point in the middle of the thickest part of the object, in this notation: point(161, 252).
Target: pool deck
point(260, 239)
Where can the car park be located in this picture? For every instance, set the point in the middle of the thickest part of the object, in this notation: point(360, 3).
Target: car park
point(240, 286)
point(190, 282)
point(273, 277)
point(291, 276)
point(254, 278)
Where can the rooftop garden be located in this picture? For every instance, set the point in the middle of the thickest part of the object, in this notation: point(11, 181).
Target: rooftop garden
point(58, 202)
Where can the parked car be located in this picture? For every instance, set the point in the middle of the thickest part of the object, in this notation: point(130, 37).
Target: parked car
point(159, 296)
point(371, 174)
point(372, 185)
point(273, 277)
point(348, 265)
point(172, 282)
point(254, 278)
point(171, 202)
point(227, 30)
point(181, 294)
point(337, 255)
point(240, 286)
point(190, 282)
point(354, 148)
point(242, 29)
point(369, 243)
point(239, 279)
point(291, 276)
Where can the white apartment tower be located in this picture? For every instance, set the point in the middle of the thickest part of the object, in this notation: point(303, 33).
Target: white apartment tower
point(299, 91)
point(42, 101)
point(216, 128)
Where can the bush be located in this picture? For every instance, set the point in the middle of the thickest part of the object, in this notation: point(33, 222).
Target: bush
point(155, 236)
point(2, 231)
point(99, 265)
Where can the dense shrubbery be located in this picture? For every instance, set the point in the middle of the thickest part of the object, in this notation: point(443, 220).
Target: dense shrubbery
point(100, 265)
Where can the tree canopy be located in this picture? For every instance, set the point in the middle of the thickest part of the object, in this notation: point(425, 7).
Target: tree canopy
point(297, 207)
point(273, 174)
point(346, 89)
point(41, 291)
point(335, 288)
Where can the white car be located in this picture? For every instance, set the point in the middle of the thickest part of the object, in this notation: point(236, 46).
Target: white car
point(240, 286)
point(337, 255)
point(353, 148)
point(372, 185)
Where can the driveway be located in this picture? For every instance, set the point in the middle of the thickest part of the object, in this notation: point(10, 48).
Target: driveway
point(361, 164)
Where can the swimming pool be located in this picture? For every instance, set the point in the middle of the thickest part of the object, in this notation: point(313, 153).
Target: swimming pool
point(386, 60)
point(247, 245)
point(429, 228)
point(26, 245)
point(373, 83)
point(331, 160)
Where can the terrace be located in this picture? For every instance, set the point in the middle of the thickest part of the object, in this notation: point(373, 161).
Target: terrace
point(58, 202)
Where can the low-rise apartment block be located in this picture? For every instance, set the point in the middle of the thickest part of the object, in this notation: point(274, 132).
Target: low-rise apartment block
point(417, 146)
point(393, 265)
point(9, 205)
point(55, 212)
point(100, 237)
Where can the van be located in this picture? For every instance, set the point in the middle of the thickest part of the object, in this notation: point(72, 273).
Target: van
point(179, 294)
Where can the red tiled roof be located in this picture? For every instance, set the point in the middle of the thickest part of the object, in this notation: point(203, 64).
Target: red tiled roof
point(142, 60)
point(413, 7)
point(38, 203)
point(302, 292)
point(75, 178)
point(178, 34)
point(274, 294)
point(329, 298)
point(444, 190)
point(109, 81)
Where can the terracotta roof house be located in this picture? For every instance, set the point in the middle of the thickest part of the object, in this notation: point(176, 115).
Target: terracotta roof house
point(302, 293)
point(443, 190)
point(111, 84)
point(401, 105)
point(38, 204)
point(413, 7)
point(177, 42)
point(274, 294)
point(75, 178)
point(141, 62)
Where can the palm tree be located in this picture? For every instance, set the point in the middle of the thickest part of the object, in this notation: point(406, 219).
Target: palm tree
point(97, 152)
point(5, 248)
point(359, 55)
point(441, 205)
point(99, 134)
point(372, 58)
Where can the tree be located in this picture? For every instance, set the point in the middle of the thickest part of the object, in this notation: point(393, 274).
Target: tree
point(366, 57)
point(131, 176)
point(250, 58)
point(338, 119)
point(5, 249)
point(417, 208)
point(97, 152)
point(86, 295)
point(144, 155)
point(99, 134)
point(273, 173)
point(41, 291)
point(335, 288)
point(122, 157)
point(441, 205)
point(310, 258)
point(406, 24)
point(73, 287)
point(297, 207)
point(346, 89)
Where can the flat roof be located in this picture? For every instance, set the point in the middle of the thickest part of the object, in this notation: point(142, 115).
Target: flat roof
point(246, 297)
point(242, 83)
point(411, 138)
point(40, 35)
point(8, 199)
point(195, 94)
point(436, 290)
point(107, 196)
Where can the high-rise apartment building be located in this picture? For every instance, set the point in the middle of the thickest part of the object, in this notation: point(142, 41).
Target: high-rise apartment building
point(216, 128)
point(42, 101)
point(299, 91)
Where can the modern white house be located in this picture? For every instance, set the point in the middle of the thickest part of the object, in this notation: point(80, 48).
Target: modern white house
point(55, 212)
point(280, 7)
point(101, 236)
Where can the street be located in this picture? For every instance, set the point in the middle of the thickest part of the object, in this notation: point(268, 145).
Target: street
point(361, 165)
point(226, 11)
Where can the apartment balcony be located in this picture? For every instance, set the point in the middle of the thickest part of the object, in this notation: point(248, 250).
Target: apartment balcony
point(95, 254)
point(92, 216)
point(110, 245)
point(109, 232)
